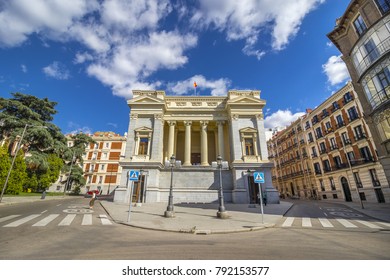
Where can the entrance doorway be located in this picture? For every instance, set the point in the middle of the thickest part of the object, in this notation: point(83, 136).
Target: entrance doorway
point(379, 195)
point(347, 191)
point(139, 190)
point(253, 191)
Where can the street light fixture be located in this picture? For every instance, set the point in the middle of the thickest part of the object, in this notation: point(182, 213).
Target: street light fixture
point(15, 155)
point(222, 213)
point(170, 213)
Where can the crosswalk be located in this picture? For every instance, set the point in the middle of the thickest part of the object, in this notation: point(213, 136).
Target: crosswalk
point(40, 220)
point(306, 222)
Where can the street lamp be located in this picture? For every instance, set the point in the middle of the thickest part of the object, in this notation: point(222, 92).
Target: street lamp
point(222, 213)
point(170, 213)
point(16, 153)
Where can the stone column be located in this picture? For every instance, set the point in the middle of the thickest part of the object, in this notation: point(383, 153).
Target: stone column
point(171, 139)
point(187, 148)
point(204, 161)
point(221, 147)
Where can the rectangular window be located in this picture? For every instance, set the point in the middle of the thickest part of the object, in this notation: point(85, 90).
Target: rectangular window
point(102, 167)
point(345, 138)
point(359, 134)
point(332, 185)
point(360, 26)
point(249, 147)
point(325, 113)
point(322, 148)
point(100, 179)
point(143, 146)
point(335, 106)
point(383, 5)
point(318, 132)
point(351, 158)
point(357, 180)
point(337, 162)
point(326, 165)
point(314, 120)
point(366, 154)
point(314, 152)
point(107, 145)
point(374, 178)
point(333, 144)
point(310, 137)
point(317, 168)
point(371, 49)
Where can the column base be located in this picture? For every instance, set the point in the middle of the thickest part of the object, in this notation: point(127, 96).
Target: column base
point(187, 164)
point(169, 214)
point(204, 164)
point(223, 215)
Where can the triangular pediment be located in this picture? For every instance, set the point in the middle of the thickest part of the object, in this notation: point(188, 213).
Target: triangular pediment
point(145, 99)
point(248, 130)
point(245, 100)
point(143, 129)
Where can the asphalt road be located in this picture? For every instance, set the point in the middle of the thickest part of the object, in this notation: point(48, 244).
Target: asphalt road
point(95, 238)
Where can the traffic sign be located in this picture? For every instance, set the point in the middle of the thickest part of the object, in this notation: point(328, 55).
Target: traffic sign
point(133, 175)
point(258, 177)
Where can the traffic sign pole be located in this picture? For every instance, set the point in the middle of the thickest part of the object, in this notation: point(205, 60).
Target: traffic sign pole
point(261, 204)
point(131, 201)
point(259, 179)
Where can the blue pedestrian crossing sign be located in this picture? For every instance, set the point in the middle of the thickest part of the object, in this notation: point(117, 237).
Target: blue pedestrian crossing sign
point(258, 177)
point(133, 175)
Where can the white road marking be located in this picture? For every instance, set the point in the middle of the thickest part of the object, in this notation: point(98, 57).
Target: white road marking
point(385, 224)
point(67, 220)
point(105, 220)
point(288, 222)
point(43, 211)
point(370, 225)
point(22, 221)
point(306, 222)
point(46, 220)
point(8, 218)
point(346, 223)
point(325, 222)
point(87, 220)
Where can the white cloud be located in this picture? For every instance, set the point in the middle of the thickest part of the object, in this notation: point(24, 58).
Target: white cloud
point(57, 71)
point(336, 70)
point(75, 128)
point(24, 68)
point(20, 18)
point(215, 87)
point(246, 19)
point(281, 118)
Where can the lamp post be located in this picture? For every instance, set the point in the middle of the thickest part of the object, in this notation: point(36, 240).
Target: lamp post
point(170, 213)
point(222, 213)
point(14, 158)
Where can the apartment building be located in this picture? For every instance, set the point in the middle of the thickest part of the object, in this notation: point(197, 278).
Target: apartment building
point(362, 34)
point(329, 153)
point(100, 163)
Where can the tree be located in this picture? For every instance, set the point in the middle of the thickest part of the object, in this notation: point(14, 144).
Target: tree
point(5, 164)
point(18, 175)
point(42, 139)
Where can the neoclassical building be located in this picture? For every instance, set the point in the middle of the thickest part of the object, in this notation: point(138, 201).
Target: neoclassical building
point(196, 129)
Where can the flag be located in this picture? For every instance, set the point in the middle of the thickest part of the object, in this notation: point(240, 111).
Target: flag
point(195, 85)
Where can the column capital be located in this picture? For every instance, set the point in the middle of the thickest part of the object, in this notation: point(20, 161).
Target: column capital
point(220, 122)
point(187, 123)
point(204, 123)
point(171, 123)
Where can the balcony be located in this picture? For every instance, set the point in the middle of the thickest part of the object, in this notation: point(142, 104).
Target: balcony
point(347, 142)
point(323, 151)
point(373, 56)
point(380, 97)
point(361, 161)
point(334, 147)
point(360, 137)
point(340, 124)
point(318, 172)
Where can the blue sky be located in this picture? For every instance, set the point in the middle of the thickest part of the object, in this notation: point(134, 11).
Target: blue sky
point(89, 55)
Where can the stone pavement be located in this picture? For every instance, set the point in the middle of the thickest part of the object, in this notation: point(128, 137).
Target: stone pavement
point(197, 218)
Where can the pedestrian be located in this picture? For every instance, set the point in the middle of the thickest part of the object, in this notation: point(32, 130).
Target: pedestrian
point(265, 199)
point(43, 194)
point(92, 201)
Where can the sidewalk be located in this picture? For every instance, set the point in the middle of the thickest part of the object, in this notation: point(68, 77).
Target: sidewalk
point(380, 211)
point(197, 218)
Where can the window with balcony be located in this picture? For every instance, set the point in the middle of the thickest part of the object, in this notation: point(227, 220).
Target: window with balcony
point(347, 97)
point(325, 113)
point(371, 50)
point(322, 148)
point(366, 154)
point(374, 178)
point(383, 5)
point(360, 26)
point(335, 106)
point(307, 126)
point(314, 152)
point(318, 132)
point(314, 120)
point(326, 165)
point(328, 127)
point(353, 113)
point(340, 121)
point(333, 144)
point(359, 133)
point(345, 138)
point(377, 88)
point(351, 157)
point(310, 136)
point(337, 162)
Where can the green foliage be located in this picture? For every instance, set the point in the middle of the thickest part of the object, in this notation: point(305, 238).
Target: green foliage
point(18, 175)
point(5, 164)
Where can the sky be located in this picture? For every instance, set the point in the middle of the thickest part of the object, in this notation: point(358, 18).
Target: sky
point(89, 55)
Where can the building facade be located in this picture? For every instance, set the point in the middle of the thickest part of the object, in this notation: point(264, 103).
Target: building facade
point(196, 130)
point(101, 167)
point(362, 34)
point(329, 153)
